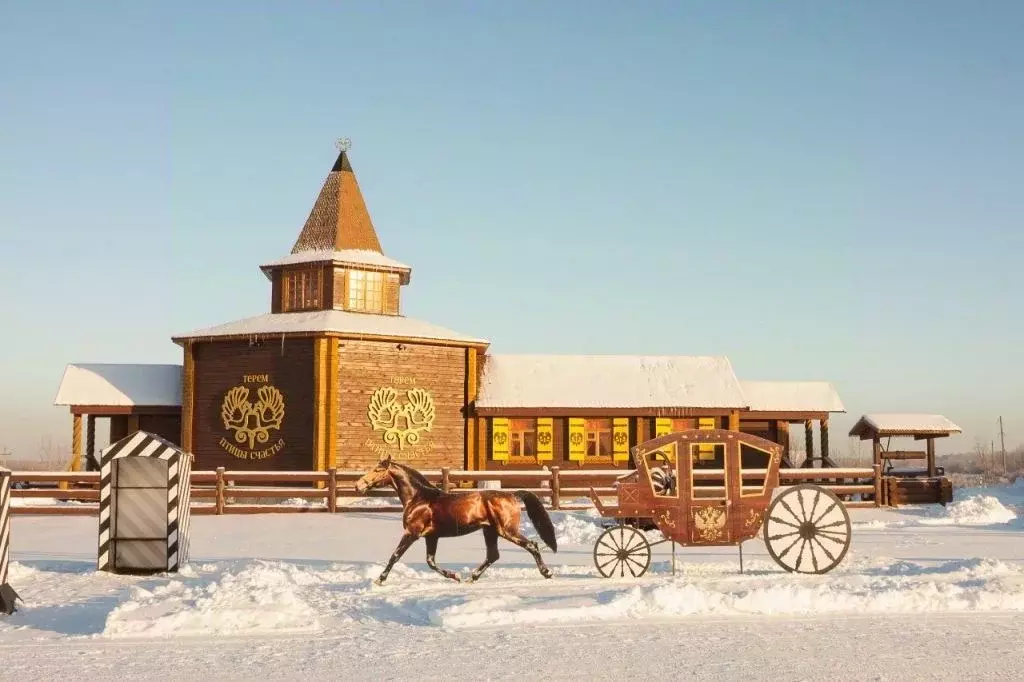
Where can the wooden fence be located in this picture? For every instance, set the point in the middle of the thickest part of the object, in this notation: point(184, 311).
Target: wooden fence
point(253, 492)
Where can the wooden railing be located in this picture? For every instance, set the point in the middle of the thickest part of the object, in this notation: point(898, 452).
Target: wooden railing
point(253, 492)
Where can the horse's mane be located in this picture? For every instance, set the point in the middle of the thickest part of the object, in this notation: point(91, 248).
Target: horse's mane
point(426, 488)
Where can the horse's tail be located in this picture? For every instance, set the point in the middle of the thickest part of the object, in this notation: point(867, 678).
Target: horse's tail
point(539, 517)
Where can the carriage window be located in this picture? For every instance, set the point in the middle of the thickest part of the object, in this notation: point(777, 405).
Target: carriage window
point(708, 470)
point(753, 470)
point(598, 433)
point(522, 437)
point(663, 455)
point(660, 469)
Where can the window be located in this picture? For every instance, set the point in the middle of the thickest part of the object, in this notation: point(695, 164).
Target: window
point(708, 472)
point(598, 434)
point(302, 290)
point(753, 470)
point(662, 475)
point(365, 291)
point(522, 437)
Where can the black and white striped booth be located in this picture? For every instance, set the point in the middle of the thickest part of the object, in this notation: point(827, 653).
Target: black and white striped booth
point(144, 505)
point(7, 594)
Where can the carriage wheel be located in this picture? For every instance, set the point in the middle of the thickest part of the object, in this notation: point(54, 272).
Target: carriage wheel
point(807, 529)
point(620, 550)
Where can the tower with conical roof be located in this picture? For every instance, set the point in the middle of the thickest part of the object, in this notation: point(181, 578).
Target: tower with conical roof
point(337, 261)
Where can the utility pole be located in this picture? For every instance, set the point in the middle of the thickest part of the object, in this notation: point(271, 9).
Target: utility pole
point(1002, 442)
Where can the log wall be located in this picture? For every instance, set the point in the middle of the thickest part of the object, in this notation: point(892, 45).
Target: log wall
point(286, 367)
point(366, 367)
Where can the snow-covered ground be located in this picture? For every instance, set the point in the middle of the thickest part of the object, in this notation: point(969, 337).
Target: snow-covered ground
point(924, 593)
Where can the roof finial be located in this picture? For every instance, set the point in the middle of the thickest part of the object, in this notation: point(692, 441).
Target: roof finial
point(343, 144)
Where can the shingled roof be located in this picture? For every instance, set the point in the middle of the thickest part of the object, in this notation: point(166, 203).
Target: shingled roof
point(339, 220)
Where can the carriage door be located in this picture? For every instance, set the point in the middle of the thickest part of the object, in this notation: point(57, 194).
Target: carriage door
point(714, 468)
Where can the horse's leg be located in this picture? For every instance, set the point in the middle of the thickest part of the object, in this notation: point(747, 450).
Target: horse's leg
point(491, 539)
point(517, 538)
point(403, 544)
point(431, 541)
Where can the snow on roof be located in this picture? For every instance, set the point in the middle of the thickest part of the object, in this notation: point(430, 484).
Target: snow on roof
point(596, 381)
point(354, 256)
point(338, 321)
point(116, 385)
point(903, 423)
point(792, 396)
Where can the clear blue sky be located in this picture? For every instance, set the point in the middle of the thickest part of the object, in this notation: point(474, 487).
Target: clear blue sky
point(817, 190)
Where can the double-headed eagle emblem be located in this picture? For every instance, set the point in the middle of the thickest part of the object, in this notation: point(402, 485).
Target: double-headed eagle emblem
point(252, 422)
point(710, 523)
point(401, 422)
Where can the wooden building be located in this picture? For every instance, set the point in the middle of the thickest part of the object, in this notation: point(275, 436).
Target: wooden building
point(335, 375)
point(131, 397)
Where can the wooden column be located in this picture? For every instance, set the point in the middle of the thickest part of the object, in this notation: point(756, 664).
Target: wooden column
point(483, 445)
point(333, 413)
point(133, 423)
point(90, 443)
point(783, 431)
point(470, 452)
point(876, 451)
point(76, 443)
point(188, 390)
point(809, 443)
point(823, 428)
point(319, 404)
point(76, 448)
point(734, 420)
point(931, 457)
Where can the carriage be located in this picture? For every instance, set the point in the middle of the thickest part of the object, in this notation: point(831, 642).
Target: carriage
point(715, 488)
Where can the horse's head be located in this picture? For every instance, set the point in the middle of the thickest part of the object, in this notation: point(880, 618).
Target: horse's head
point(375, 476)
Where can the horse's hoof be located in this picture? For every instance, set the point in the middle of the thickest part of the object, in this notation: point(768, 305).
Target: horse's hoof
point(379, 581)
point(546, 574)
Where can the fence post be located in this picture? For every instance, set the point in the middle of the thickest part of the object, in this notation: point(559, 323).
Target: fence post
point(220, 490)
point(446, 483)
point(332, 490)
point(556, 488)
point(878, 484)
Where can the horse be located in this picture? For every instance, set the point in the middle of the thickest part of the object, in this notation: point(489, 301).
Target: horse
point(430, 513)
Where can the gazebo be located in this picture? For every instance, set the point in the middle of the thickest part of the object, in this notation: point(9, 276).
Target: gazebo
point(908, 485)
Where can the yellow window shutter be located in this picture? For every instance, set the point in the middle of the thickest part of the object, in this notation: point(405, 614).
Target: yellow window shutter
point(662, 426)
point(577, 439)
point(705, 451)
point(620, 439)
point(545, 439)
point(499, 439)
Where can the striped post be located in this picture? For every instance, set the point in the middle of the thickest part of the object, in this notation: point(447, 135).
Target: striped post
point(178, 484)
point(7, 593)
